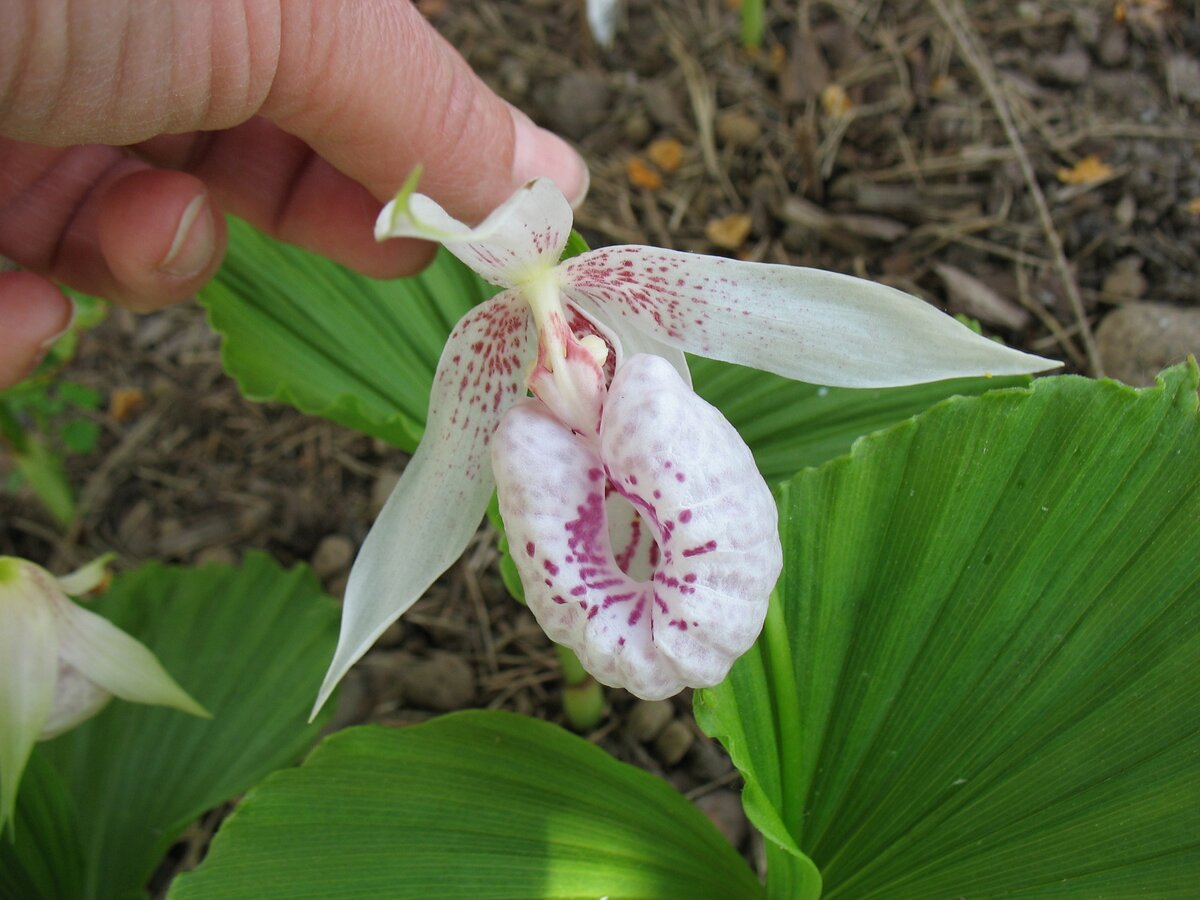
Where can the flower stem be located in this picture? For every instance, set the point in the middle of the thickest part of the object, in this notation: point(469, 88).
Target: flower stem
point(583, 697)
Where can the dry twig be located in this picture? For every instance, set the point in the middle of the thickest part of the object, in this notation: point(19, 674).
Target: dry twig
point(952, 16)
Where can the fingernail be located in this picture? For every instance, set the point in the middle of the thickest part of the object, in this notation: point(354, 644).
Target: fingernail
point(540, 153)
point(49, 342)
point(194, 243)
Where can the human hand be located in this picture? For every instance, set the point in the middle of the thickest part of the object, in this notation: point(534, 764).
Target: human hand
point(127, 127)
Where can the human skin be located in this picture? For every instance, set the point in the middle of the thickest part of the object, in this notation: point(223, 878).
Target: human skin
point(128, 126)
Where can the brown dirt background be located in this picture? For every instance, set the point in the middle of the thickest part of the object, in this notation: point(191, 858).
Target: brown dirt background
point(929, 145)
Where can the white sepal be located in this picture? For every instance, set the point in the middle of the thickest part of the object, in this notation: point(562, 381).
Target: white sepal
point(28, 666)
point(522, 237)
point(808, 324)
point(109, 658)
point(60, 664)
point(436, 506)
point(87, 578)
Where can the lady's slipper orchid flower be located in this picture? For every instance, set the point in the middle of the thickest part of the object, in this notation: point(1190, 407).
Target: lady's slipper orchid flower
point(684, 592)
point(582, 335)
point(60, 664)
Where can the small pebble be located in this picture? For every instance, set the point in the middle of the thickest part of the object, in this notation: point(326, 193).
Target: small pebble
point(1114, 46)
point(673, 743)
point(354, 700)
point(707, 761)
point(724, 809)
point(1139, 340)
point(333, 556)
point(1071, 67)
point(444, 682)
point(648, 718)
point(1126, 281)
point(579, 104)
point(385, 481)
point(663, 106)
point(738, 129)
point(1087, 24)
point(514, 77)
point(336, 586)
point(1030, 12)
point(252, 519)
point(1183, 77)
point(1125, 211)
point(638, 129)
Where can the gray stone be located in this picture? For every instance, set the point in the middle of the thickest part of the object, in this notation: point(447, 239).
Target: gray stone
point(579, 105)
point(1113, 49)
point(1071, 67)
point(648, 718)
point(724, 809)
point(1183, 77)
point(385, 481)
point(1139, 340)
point(707, 761)
point(1125, 282)
point(637, 129)
point(444, 682)
point(333, 556)
point(738, 129)
point(673, 743)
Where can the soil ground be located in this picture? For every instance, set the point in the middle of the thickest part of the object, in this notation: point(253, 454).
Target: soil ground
point(1032, 165)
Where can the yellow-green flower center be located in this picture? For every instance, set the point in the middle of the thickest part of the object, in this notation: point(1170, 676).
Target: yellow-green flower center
point(10, 569)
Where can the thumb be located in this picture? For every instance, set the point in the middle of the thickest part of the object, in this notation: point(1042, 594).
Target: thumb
point(376, 91)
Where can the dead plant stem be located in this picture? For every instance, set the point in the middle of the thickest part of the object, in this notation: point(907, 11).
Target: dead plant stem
point(952, 15)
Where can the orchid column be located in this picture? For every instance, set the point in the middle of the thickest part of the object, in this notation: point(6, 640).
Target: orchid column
point(644, 536)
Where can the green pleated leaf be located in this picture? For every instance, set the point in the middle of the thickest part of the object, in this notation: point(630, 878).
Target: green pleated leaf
point(790, 425)
point(980, 675)
point(250, 644)
point(473, 805)
point(302, 330)
point(46, 859)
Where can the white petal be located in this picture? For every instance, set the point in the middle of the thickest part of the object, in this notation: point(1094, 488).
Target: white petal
point(28, 666)
point(76, 699)
point(86, 579)
point(676, 459)
point(524, 235)
point(602, 18)
point(816, 326)
point(438, 503)
point(114, 661)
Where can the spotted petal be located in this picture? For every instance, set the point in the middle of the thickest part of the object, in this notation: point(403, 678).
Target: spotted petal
point(816, 326)
point(683, 467)
point(444, 492)
point(523, 236)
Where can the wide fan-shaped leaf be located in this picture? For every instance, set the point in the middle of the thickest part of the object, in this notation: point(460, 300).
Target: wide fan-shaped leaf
point(46, 859)
point(981, 672)
point(790, 425)
point(250, 644)
point(472, 805)
point(302, 330)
